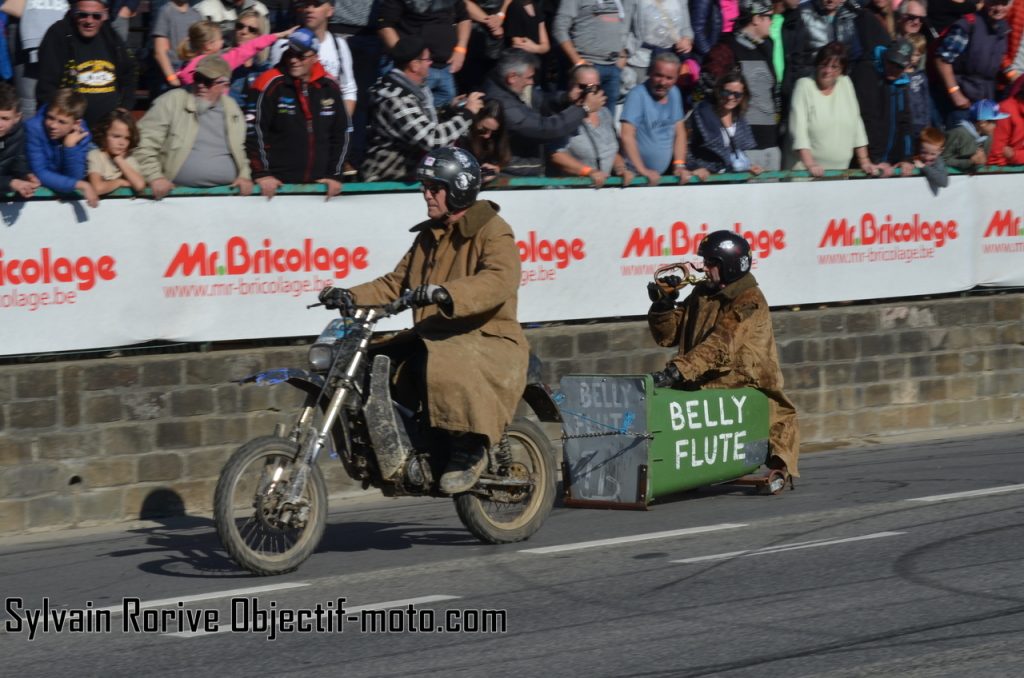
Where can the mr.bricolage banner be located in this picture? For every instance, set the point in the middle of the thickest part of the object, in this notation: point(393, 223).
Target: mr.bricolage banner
point(208, 269)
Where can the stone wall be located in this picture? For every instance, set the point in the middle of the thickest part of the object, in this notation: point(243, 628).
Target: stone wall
point(94, 441)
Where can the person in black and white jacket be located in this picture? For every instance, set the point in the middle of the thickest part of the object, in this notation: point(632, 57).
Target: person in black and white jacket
point(404, 124)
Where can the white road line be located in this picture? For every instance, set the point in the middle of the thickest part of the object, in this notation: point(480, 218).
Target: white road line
point(164, 602)
point(785, 547)
point(633, 538)
point(970, 493)
point(225, 626)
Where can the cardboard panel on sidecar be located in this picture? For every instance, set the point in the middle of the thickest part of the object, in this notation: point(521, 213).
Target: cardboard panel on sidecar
point(627, 443)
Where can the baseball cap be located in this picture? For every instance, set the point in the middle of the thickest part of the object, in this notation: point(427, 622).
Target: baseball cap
point(214, 67)
point(986, 109)
point(900, 52)
point(304, 40)
point(406, 49)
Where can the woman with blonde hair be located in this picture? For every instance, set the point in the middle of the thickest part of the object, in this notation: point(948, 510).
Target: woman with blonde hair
point(205, 38)
point(250, 26)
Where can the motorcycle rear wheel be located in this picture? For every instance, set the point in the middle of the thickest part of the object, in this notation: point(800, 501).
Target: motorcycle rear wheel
point(503, 522)
point(250, 524)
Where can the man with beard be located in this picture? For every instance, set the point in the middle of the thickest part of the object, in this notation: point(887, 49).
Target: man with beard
point(195, 137)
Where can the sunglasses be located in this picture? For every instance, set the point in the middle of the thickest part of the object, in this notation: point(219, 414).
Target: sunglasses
point(205, 81)
point(95, 16)
point(298, 56)
point(730, 94)
point(433, 189)
point(246, 28)
point(913, 17)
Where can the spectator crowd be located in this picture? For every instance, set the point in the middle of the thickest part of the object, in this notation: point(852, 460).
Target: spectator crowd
point(99, 95)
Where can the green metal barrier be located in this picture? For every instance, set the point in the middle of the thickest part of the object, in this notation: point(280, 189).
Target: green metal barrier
point(512, 183)
point(627, 443)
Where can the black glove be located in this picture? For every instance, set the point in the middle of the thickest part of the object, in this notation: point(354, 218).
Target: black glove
point(667, 377)
point(425, 295)
point(338, 298)
point(661, 300)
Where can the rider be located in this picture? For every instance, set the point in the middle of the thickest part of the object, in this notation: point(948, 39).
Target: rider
point(463, 269)
point(724, 333)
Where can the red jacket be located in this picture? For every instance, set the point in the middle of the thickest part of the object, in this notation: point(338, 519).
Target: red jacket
point(1016, 21)
point(1009, 132)
point(297, 132)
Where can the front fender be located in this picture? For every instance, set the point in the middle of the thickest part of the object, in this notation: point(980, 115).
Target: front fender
point(310, 382)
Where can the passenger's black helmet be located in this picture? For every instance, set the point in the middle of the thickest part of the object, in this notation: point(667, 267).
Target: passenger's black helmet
point(457, 169)
point(730, 250)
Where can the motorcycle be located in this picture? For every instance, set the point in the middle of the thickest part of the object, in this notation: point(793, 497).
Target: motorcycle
point(270, 505)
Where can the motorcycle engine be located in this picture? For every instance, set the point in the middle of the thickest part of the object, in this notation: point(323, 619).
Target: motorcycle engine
point(418, 475)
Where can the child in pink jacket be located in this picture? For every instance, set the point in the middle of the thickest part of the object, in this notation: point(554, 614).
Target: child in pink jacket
point(205, 38)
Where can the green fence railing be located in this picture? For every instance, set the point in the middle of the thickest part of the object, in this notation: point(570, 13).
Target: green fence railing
point(513, 183)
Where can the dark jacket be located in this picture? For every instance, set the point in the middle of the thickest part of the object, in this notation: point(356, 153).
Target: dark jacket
point(13, 161)
point(706, 148)
point(58, 168)
point(755, 62)
point(529, 128)
point(297, 132)
point(885, 110)
point(706, 20)
point(807, 29)
point(432, 21)
point(58, 53)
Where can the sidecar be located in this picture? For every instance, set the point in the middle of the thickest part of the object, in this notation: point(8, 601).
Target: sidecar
point(627, 443)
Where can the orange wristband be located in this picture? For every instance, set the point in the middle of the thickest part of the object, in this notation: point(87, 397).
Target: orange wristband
point(678, 162)
point(459, 48)
point(585, 172)
point(955, 88)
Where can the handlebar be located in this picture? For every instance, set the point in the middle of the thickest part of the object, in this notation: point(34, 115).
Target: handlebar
point(403, 302)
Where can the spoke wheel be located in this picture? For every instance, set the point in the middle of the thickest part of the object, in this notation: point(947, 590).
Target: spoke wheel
point(499, 515)
point(257, 530)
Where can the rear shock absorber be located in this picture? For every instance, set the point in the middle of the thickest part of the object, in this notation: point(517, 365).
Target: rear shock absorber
point(503, 454)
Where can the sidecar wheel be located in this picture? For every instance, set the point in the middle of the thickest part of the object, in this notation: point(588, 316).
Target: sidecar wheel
point(254, 530)
point(517, 514)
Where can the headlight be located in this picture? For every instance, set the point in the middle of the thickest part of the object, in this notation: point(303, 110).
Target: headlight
point(321, 356)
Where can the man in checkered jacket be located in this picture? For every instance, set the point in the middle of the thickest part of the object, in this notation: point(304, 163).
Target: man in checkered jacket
point(404, 125)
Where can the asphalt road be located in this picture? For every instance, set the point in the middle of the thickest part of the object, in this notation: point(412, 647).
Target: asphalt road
point(866, 569)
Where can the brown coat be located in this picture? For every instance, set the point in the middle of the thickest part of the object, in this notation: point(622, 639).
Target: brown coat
point(725, 340)
point(477, 356)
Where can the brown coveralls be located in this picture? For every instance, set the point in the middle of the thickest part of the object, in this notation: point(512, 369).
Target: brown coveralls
point(725, 340)
point(477, 356)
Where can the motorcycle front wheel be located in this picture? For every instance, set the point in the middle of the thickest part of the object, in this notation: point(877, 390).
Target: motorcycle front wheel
point(502, 516)
point(259, 533)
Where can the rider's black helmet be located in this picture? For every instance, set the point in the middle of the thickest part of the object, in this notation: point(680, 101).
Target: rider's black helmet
point(457, 169)
point(730, 251)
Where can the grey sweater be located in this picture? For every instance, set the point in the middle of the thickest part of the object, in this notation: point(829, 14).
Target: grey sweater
point(597, 28)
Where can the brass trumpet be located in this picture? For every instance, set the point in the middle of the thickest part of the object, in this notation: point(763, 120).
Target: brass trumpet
point(692, 279)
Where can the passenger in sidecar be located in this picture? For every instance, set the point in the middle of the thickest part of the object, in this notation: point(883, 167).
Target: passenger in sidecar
point(724, 333)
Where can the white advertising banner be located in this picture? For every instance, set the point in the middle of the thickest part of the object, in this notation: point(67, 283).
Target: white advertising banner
point(999, 247)
point(224, 268)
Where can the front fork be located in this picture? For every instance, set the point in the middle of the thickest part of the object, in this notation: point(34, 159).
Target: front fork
point(346, 384)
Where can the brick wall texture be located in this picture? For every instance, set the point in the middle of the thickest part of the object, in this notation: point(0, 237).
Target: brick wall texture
point(96, 441)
